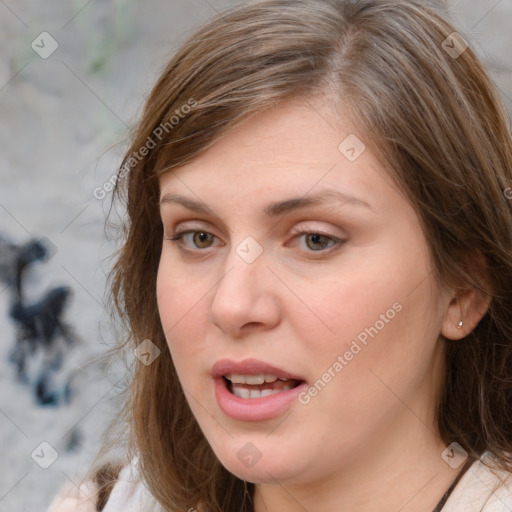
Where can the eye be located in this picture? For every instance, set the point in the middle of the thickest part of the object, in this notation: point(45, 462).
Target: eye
point(318, 242)
point(200, 239)
point(314, 241)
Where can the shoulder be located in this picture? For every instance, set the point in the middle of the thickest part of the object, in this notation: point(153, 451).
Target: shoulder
point(126, 493)
point(129, 494)
point(73, 499)
point(481, 489)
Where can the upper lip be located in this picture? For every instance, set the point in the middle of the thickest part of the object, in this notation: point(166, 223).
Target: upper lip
point(250, 367)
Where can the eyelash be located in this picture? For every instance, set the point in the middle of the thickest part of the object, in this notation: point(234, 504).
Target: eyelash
point(177, 238)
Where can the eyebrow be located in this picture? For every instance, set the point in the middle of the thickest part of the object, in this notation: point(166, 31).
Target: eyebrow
point(327, 196)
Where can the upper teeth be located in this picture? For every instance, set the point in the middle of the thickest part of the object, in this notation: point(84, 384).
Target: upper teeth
point(252, 379)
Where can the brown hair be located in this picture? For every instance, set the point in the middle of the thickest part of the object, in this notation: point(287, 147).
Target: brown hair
point(434, 118)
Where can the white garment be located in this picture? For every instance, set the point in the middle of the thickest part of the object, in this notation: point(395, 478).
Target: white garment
point(480, 490)
point(129, 495)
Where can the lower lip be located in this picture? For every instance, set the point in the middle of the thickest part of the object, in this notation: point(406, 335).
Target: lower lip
point(255, 409)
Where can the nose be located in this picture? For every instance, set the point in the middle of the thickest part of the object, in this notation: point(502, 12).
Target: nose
point(245, 298)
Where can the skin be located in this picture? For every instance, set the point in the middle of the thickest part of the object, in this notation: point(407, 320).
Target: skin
point(300, 305)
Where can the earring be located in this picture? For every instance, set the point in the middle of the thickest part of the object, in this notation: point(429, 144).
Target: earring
point(460, 324)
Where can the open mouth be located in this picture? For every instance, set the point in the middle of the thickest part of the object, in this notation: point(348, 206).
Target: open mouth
point(258, 386)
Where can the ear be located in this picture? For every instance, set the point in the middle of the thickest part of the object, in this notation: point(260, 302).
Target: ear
point(467, 307)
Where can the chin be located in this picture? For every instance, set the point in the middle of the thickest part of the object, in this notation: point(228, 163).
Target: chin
point(261, 473)
point(260, 462)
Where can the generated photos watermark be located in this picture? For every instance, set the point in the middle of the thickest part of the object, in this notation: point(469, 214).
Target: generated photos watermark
point(343, 360)
point(137, 156)
point(146, 352)
point(44, 455)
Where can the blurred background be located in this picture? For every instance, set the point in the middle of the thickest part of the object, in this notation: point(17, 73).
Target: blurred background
point(73, 78)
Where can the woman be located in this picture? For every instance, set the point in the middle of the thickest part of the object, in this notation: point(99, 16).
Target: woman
point(317, 272)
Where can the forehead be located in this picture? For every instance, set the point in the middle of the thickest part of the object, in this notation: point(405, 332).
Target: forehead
point(297, 149)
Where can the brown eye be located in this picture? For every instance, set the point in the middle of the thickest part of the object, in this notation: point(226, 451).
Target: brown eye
point(318, 241)
point(191, 239)
point(201, 239)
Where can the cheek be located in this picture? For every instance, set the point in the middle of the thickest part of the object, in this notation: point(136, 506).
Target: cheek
point(176, 294)
point(385, 348)
point(335, 312)
point(182, 309)
point(174, 299)
point(381, 316)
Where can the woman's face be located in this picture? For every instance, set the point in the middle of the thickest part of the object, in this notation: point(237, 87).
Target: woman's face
point(303, 323)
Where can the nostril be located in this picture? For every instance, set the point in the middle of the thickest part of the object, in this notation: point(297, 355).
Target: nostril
point(251, 325)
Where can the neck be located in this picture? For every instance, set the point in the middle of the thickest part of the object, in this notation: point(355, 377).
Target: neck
point(412, 477)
